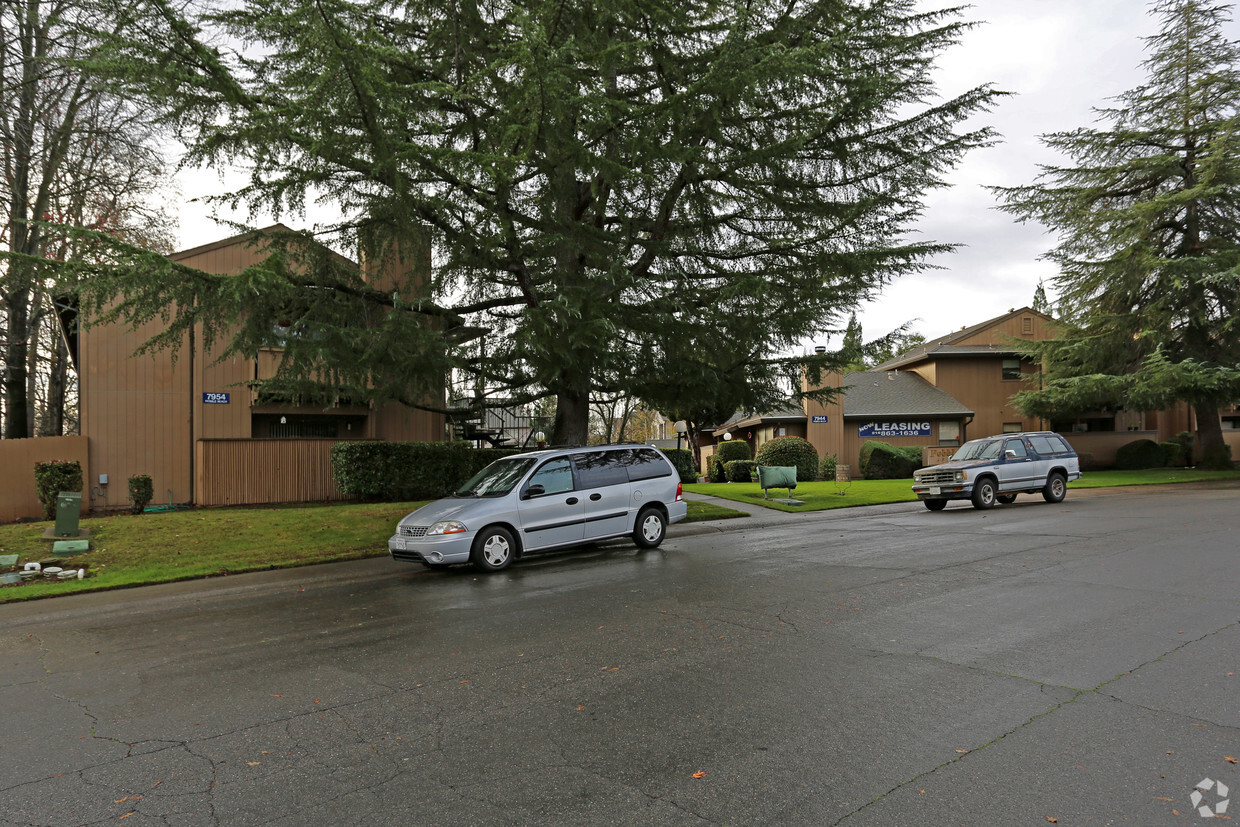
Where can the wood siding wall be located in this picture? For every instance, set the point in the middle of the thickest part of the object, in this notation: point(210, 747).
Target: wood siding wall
point(18, 500)
point(256, 471)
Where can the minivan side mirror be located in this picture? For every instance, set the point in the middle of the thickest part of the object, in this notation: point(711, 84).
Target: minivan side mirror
point(534, 490)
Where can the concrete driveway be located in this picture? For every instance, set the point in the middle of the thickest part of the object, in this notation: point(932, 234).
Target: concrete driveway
point(1034, 664)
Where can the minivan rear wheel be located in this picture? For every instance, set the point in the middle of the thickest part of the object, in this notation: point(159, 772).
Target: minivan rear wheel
point(650, 528)
point(493, 549)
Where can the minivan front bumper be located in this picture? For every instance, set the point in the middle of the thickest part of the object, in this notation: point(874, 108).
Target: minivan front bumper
point(441, 550)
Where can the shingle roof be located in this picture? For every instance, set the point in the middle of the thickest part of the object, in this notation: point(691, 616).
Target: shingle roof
point(945, 345)
point(896, 393)
point(742, 419)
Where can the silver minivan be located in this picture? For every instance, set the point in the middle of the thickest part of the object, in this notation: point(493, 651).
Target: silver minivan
point(542, 500)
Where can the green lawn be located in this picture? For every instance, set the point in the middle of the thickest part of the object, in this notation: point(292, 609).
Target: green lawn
point(163, 547)
point(819, 496)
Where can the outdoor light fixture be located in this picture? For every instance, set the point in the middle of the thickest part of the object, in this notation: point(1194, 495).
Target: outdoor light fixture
point(681, 426)
point(727, 435)
point(284, 420)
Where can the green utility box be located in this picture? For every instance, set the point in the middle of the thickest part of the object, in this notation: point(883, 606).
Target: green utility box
point(68, 510)
point(70, 548)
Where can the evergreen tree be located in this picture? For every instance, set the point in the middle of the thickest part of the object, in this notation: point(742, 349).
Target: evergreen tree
point(1040, 302)
point(612, 188)
point(1147, 218)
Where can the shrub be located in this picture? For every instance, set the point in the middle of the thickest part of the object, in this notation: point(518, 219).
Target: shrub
point(882, 461)
point(1140, 453)
point(1173, 453)
point(726, 452)
point(1216, 457)
point(50, 478)
point(788, 451)
point(1186, 440)
point(739, 470)
point(141, 492)
point(398, 471)
point(826, 469)
point(731, 450)
point(682, 461)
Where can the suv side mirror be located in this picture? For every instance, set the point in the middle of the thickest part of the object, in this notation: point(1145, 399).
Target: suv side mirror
point(534, 490)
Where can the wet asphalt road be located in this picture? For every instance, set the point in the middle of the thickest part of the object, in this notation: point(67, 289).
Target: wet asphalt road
point(880, 666)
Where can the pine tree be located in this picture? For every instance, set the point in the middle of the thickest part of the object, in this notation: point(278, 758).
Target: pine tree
point(613, 188)
point(1040, 302)
point(1149, 254)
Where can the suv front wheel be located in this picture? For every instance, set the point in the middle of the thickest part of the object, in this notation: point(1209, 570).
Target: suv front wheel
point(984, 493)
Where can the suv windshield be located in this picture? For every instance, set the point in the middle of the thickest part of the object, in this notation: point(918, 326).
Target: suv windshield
point(978, 449)
point(496, 479)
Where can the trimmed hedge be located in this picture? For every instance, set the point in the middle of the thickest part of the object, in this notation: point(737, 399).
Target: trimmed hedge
point(1140, 453)
point(739, 470)
point(682, 461)
point(788, 451)
point(50, 478)
point(1173, 453)
point(882, 461)
point(399, 471)
point(726, 452)
point(826, 469)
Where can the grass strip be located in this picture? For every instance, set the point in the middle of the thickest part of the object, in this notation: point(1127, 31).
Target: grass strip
point(130, 550)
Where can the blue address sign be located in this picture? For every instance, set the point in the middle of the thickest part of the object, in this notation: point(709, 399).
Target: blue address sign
point(210, 398)
point(816, 418)
point(882, 430)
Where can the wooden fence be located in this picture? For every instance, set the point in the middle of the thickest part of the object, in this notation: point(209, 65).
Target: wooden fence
point(253, 471)
point(18, 498)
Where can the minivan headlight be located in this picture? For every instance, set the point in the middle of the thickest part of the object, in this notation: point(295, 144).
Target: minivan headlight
point(447, 527)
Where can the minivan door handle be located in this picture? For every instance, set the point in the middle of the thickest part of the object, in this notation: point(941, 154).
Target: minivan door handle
point(595, 497)
point(571, 501)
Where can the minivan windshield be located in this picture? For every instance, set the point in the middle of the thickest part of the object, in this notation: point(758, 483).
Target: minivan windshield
point(978, 449)
point(496, 479)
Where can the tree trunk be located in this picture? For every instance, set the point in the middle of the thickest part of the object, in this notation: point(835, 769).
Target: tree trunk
point(1212, 449)
point(16, 425)
point(572, 418)
point(53, 420)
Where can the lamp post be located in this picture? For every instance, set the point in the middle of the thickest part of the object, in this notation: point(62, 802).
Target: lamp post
point(541, 439)
point(681, 426)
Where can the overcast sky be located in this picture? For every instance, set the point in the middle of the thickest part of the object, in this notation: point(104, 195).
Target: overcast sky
point(1060, 58)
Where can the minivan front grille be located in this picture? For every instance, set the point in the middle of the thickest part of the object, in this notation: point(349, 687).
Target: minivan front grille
point(413, 531)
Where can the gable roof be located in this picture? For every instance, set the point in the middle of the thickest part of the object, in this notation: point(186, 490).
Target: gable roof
point(872, 393)
point(949, 345)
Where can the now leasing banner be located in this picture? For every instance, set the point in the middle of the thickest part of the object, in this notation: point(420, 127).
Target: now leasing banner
point(881, 430)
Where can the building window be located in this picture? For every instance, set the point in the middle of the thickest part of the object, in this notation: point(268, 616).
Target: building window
point(949, 433)
point(1011, 368)
point(1012, 428)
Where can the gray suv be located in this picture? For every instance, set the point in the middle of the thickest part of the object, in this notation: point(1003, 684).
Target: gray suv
point(542, 500)
point(997, 468)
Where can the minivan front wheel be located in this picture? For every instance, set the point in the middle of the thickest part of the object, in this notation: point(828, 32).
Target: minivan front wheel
point(984, 494)
point(650, 528)
point(493, 549)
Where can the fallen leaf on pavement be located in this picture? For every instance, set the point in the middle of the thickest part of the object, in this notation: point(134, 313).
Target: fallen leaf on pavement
point(1229, 759)
point(699, 774)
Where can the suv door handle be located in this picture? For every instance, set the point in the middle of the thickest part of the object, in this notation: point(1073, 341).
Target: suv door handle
point(595, 497)
point(571, 501)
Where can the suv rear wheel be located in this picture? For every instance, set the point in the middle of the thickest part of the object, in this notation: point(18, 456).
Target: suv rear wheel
point(984, 493)
point(1056, 488)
